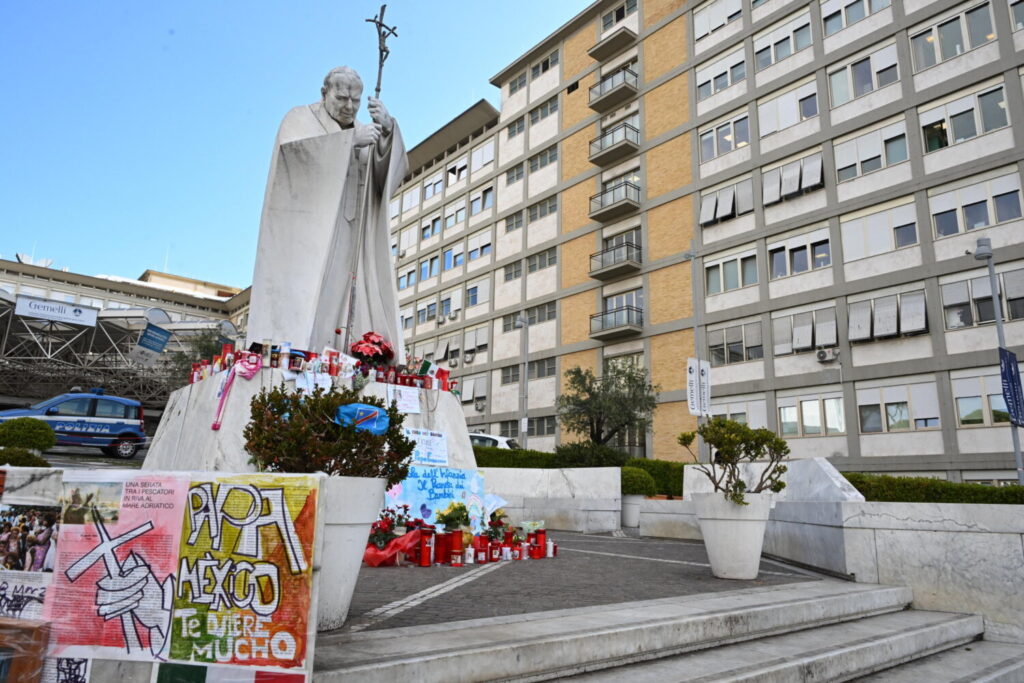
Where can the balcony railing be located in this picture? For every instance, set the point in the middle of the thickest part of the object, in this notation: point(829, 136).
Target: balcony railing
point(614, 144)
point(615, 261)
point(614, 89)
point(613, 43)
point(617, 322)
point(617, 200)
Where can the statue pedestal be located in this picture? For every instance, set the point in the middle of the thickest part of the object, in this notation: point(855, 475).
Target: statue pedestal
point(185, 441)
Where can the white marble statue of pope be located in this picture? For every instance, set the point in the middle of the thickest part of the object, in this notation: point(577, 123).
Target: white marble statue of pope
point(320, 221)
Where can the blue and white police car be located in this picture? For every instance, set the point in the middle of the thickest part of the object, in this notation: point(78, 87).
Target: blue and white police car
point(113, 424)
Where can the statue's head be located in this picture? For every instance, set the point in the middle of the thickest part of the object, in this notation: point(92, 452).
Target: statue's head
point(341, 93)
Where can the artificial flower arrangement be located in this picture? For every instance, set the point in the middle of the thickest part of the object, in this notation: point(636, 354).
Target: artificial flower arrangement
point(372, 350)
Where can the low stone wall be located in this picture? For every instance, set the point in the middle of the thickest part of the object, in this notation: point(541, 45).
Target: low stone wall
point(578, 499)
point(668, 519)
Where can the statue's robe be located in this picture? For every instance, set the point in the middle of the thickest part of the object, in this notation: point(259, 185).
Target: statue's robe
point(313, 214)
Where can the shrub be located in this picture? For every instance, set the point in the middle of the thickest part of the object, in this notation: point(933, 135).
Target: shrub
point(734, 443)
point(667, 475)
point(636, 482)
point(21, 457)
point(27, 432)
point(589, 454)
point(296, 432)
point(488, 456)
point(882, 488)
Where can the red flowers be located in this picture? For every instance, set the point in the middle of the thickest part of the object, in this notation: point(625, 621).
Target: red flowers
point(372, 349)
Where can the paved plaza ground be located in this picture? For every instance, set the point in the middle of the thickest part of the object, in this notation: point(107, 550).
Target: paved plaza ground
point(589, 570)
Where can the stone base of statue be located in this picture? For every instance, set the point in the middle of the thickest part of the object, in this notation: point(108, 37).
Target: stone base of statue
point(349, 505)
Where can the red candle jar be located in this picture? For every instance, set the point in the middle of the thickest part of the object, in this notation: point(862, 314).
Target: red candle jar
point(426, 549)
point(517, 552)
point(531, 537)
point(442, 543)
point(495, 551)
point(456, 548)
point(541, 538)
point(536, 552)
point(554, 549)
point(508, 537)
point(482, 551)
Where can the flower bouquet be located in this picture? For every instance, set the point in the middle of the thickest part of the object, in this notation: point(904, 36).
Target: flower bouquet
point(496, 526)
point(372, 351)
point(453, 517)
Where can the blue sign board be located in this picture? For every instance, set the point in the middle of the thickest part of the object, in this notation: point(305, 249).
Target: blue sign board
point(150, 345)
point(1009, 371)
point(429, 490)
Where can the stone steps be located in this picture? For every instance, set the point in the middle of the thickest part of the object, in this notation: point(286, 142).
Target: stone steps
point(838, 652)
point(548, 645)
point(982, 661)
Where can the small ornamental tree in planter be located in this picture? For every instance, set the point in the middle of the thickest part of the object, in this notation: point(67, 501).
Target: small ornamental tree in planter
point(636, 483)
point(733, 518)
point(304, 432)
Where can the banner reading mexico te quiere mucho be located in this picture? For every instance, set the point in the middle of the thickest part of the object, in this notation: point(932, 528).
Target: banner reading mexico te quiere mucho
point(200, 568)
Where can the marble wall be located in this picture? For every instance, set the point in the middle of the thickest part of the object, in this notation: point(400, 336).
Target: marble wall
point(578, 499)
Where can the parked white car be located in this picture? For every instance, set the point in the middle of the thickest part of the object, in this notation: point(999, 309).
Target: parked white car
point(493, 441)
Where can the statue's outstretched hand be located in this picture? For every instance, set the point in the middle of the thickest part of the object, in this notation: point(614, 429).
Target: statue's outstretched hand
point(379, 114)
point(368, 135)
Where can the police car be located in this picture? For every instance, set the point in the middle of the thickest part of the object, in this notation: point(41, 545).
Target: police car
point(113, 424)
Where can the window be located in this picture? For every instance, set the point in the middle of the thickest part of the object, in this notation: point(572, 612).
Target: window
point(407, 279)
point(788, 109)
point(429, 268)
point(542, 313)
point(517, 84)
point(806, 416)
point(727, 202)
point(482, 155)
point(544, 207)
point(446, 306)
point(75, 407)
point(838, 14)
point(771, 47)
point(484, 200)
point(795, 258)
point(508, 322)
point(510, 374)
point(791, 179)
point(736, 344)
point(715, 15)
point(514, 221)
point(516, 127)
point(541, 260)
point(543, 158)
point(721, 75)
point(618, 14)
point(513, 271)
point(410, 198)
point(544, 65)
point(514, 174)
point(544, 110)
point(872, 151)
point(538, 369)
point(453, 257)
point(898, 408)
point(876, 233)
point(479, 244)
point(979, 401)
point(407, 321)
point(732, 273)
point(724, 138)
point(887, 316)
point(433, 186)
point(804, 331)
point(395, 208)
point(1017, 12)
point(458, 171)
point(455, 217)
point(541, 426)
point(978, 205)
point(969, 302)
point(509, 429)
point(478, 292)
point(962, 119)
point(431, 229)
point(877, 70)
point(947, 40)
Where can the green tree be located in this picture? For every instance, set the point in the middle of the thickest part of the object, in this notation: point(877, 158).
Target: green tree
point(602, 407)
point(205, 344)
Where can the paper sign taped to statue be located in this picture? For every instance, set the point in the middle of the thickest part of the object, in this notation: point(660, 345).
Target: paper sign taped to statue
point(428, 490)
point(406, 398)
point(431, 447)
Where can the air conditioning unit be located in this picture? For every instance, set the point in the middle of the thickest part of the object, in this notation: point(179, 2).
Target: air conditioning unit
point(401, 254)
point(453, 316)
point(440, 320)
point(480, 406)
point(467, 357)
point(453, 363)
point(828, 355)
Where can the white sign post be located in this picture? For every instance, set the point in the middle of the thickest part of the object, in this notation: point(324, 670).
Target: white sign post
point(57, 311)
point(698, 386)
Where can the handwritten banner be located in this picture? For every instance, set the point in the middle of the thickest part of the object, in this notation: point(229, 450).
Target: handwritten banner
point(429, 490)
point(431, 447)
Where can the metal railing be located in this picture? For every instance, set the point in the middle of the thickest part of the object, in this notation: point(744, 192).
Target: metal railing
point(612, 81)
point(616, 317)
point(613, 136)
point(616, 193)
point(627, 251)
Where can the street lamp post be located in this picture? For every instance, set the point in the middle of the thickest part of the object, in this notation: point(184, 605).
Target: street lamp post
point(521, 324)
point(983, 252)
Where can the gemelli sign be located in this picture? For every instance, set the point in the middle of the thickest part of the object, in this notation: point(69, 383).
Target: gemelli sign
point(45, 309)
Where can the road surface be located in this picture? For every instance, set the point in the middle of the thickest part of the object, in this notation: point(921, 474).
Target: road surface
point(72, 457)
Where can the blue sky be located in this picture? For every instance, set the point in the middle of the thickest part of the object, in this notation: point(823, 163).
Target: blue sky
point(135, 135)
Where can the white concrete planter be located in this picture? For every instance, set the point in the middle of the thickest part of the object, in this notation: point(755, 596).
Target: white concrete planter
point(631, 511)
point(348, 506)
point(733, 534)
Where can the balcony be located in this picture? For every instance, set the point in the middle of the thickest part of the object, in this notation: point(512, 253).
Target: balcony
point(612, 44)
point(615, 261)
point(613, 90)
point(614, 144)
point(617, 323)
point(615, 202)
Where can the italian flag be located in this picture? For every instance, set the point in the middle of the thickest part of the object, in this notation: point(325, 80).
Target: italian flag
point(190, 673)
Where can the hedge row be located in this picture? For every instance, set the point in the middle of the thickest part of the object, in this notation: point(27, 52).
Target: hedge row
point(488, 456)
point(668, 475)
point(882, 488)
